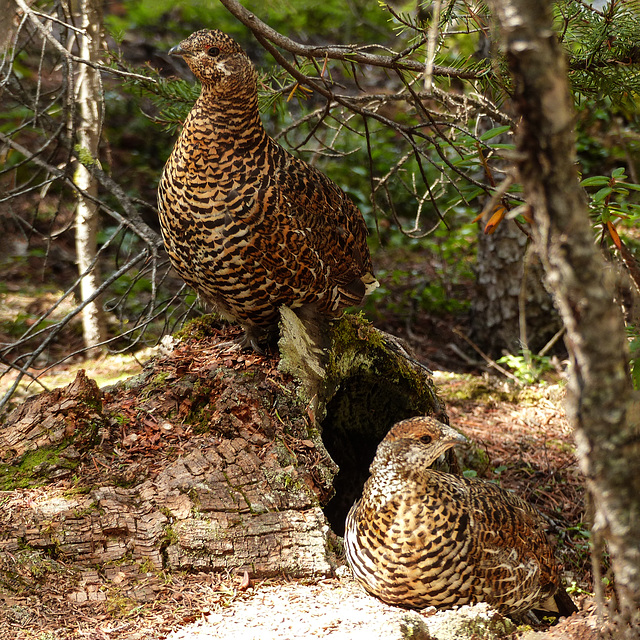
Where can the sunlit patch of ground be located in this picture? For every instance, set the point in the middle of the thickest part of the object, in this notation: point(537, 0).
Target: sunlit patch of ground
point(105, 370)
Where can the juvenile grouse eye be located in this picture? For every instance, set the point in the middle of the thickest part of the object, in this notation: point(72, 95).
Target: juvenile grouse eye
point(213, 51)
point(426, 439)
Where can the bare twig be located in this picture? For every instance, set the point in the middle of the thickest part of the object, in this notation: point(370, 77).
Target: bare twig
point(32, 357)
point(350, 53)
point(490, 361)
point(46, 35)
point(133, 222)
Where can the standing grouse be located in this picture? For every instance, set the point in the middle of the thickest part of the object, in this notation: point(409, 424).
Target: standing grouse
point(249, 226)
point(420, 537)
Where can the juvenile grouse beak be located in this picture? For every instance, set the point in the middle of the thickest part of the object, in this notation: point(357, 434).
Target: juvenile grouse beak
point(449, 434)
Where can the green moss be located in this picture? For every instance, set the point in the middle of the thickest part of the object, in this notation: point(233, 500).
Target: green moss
point(31, 565)
point(194, 496)
point(371, 387)
point(165, 511)
point(197, 390)
point(123, 483)
point(199, 328)
point(155, 384)
point(199, 420)
point(358, 346)
point(85, 157)
point(170, 536)
point(159, 380)
point(490, 627)
point(282, 481)
point(7, 477)
point(34, 467)
point(412, 628)
point(77, 490)
point(146, 566)
point(460, 388)
point(387, 388)
point(88, 510)
point(120, 606)
point(124, 561)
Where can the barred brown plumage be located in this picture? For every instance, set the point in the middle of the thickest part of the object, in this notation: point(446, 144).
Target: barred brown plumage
point(420, 537)
point(249, 226)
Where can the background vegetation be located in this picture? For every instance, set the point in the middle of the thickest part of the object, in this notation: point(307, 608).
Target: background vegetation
point(422, 155)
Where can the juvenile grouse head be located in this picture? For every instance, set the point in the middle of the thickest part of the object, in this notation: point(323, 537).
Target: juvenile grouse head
point(416, 443)
point(217, 61)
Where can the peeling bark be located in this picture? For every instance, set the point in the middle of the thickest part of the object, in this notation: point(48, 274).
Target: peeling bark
point(600, 397)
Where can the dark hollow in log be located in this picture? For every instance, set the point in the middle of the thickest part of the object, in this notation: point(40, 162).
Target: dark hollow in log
point(384, 388)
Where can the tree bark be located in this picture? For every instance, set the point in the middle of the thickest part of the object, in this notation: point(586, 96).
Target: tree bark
point(89, 102)
point(511, 310)
point(599, 395)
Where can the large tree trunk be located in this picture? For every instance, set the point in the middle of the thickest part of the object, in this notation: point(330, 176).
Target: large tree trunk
point(511, 310)
point(599, 399)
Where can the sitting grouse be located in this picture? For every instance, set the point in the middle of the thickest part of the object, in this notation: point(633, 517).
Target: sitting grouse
point(420, 537)
point(249, 226)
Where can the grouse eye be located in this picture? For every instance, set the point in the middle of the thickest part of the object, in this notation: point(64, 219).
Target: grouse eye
point(213, 51)
point(426, 439)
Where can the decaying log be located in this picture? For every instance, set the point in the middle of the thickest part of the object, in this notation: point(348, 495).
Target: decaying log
point(211, 459)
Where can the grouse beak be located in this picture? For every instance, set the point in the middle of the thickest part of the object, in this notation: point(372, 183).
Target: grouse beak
point(449, 434)
point(178, 51)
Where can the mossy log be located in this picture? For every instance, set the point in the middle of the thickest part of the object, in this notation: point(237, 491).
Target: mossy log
point(210, 459)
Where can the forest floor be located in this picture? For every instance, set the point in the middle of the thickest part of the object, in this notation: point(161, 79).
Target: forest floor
point(523, 442)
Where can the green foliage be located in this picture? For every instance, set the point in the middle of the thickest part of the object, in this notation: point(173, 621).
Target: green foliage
point(603, 48)
point(21, 323)
point(133, 286)
point(415, 161)
point(172, 99)
point(163, 19)
point(578, 552)
point(358, 21)
point(527, 367)
point(611, 198)
point(435, 298)
point(634, 349)
point(574, 589)
point(615, 207)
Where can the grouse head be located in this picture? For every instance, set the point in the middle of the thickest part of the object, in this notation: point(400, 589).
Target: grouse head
point(217, 61)
point(416, 443)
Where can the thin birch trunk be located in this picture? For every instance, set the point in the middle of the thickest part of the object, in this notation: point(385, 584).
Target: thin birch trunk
point(89, 103)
